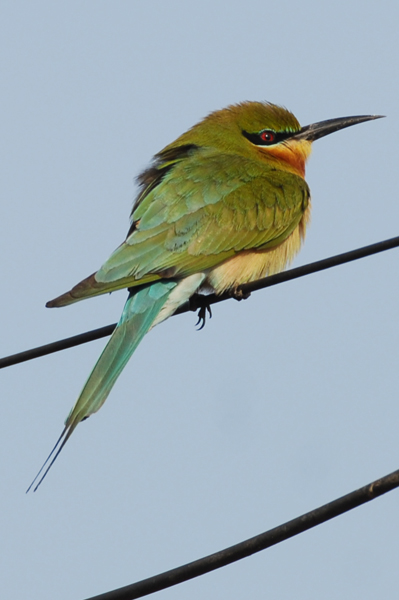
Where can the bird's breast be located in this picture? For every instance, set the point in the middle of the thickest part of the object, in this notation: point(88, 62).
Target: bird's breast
point(251, 265)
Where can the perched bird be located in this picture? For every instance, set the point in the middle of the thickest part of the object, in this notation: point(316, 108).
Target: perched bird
point(224, 204)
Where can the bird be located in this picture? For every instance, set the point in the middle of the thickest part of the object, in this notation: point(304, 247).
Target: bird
point(225, 204)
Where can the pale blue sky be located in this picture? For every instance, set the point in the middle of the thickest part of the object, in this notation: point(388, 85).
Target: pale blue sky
point(282, 402)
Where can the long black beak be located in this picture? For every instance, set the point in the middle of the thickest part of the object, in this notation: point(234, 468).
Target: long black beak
point(317, 130)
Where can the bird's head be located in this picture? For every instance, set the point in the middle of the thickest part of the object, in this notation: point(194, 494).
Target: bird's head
point(262, 131)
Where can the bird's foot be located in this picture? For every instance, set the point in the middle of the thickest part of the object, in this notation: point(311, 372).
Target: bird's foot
point(205, 308)
point(238, 294)
point(200, 302)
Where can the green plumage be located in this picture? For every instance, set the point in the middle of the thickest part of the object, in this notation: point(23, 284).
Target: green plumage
point(194, 226)
point(224, 204)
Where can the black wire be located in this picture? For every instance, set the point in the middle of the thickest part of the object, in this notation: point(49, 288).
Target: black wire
point(199, 301)
point(273, 536)
point(70, 342)
point(255, 544)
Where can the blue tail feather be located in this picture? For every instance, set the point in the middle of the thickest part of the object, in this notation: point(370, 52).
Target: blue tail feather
point(139, 314)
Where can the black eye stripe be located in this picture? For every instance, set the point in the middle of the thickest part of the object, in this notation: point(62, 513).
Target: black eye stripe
point(255, 138)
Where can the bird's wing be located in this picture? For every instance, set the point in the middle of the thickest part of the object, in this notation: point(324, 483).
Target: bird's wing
point(204, 209)
point(209, 207)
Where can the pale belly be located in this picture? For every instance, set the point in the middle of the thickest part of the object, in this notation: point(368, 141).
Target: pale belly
point(251, 265)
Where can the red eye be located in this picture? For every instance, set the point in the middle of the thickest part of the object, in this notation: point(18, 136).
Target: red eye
point(268, 137)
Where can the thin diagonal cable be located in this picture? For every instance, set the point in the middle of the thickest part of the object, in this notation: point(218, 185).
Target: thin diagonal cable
point(255, 544)
point(315, 267)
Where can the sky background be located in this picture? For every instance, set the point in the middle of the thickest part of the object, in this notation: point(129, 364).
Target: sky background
point(283, 402)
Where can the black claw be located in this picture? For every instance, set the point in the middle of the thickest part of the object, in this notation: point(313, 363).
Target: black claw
point(202, 316)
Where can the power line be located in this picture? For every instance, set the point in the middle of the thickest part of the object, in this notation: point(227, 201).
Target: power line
point(202, 301)
point(255, 544)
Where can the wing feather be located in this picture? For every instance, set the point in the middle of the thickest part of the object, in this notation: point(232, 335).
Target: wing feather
point(206, 208)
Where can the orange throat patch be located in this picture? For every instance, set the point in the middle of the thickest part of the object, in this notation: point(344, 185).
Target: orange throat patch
point(293, 153)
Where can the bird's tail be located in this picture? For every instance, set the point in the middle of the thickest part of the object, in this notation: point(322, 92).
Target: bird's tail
point(145, 308)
